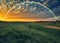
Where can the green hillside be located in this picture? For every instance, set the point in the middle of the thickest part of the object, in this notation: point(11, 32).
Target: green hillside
point(28, 33)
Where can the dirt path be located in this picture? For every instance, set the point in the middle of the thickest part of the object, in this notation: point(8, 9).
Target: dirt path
point(54, 27)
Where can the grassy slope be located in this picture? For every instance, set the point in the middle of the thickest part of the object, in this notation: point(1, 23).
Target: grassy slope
point(28, 33)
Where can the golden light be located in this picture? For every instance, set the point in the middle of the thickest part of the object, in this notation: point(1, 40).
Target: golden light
point(9, 12)
point(11, 17)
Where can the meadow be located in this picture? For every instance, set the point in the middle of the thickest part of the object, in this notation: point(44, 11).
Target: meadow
point(16, 32)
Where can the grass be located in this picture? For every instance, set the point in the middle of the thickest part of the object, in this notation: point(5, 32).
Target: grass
point(28, 33)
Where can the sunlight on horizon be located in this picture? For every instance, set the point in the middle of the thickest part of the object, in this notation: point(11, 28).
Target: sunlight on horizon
point(25, 12)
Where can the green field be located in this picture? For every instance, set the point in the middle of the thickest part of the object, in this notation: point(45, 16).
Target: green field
point(29, 33)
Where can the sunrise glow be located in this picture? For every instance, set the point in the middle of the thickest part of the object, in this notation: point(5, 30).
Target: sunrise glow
point(25, 12)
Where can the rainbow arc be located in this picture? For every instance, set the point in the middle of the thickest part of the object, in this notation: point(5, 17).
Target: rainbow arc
point(15, 10)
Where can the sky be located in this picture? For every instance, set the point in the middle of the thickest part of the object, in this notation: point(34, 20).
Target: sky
point(53, 5)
